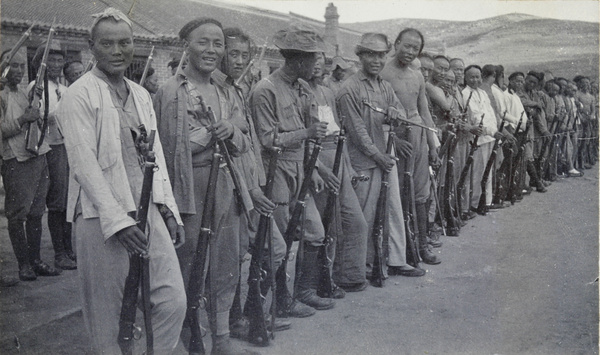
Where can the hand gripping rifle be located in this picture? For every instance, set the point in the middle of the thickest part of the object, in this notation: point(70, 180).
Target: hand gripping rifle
point(146, 67)
point(258, 333)
point(195, 299)
point(32, 143)
point(408, 207)
point(139, 265)
point(230, 165)
point(5, 65)
point(482, 207)
point(324, 288)
point(400, 120)
point(465, 171)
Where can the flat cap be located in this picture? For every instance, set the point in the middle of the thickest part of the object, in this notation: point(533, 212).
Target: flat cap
point(299, 37)
point(340, 62)
point(373, 42)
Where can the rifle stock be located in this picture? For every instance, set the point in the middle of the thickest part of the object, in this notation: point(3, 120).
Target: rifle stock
point(482, 206)
point(139, 268)
point(465, 171)
point(325, 289)
point(195, 284)
point(258, 333)
point(377, 275)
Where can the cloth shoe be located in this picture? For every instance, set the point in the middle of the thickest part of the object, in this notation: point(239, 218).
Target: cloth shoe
point(405, 271)
point(355, 287)
point(222, 345)
point(26, 273)
point(43, 269)
point(62, 261)
point(71, 255)
point(428, 257)
point(8, 281)
point(338, 292)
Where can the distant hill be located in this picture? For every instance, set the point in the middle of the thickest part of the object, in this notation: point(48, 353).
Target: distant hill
point(518, 41)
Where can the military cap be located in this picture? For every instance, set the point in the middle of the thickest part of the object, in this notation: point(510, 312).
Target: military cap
point(54, 48)
point(539, 76)
point(340, 62)
point(299, 37)
point(373, 42)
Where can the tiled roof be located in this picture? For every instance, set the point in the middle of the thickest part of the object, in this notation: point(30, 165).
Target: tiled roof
point(162, 19)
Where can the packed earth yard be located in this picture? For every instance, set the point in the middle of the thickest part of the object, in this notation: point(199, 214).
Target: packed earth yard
point(522, 280)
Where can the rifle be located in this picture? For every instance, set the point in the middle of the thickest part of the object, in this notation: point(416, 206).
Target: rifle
point(247, 68)
point(90, 64)
point(402, 120)
point(258, 333)
point(436, 198)
point(230, 165)
point(548, 142)
point(482, 206)
point(195, 299)
point(5, 65)
point(32, 143)
point(467, 167)
point(513, 184)
point(450, 211)
point(296, 219)
point(324, 288)
point(377, 276)
point(139, 264)
point(180, 65)
point(410, 210)
point(146, 67)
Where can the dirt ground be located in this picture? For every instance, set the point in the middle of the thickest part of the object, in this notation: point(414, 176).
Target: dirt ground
point(522, 280)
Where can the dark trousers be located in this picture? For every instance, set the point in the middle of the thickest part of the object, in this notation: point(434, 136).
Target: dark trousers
point(26, 186)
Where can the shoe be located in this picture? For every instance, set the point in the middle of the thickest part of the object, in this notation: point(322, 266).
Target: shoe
point(546, 183)
point(64, 262)
point(465, 216)
point(404, 271)
point(338, 293)
point(587, 166)
point(8, 281)
point(26, 273)
point(71, 255)
point(296, 310)
point(428, 257)
point(527, 191)
point(575, 173)
point(354, 287)
point(239, 329)
point(43, 269)
point(280, 324)
point(310, 298)
point(496, 206)
point(435, 242)
point(222, 345)
point(541, 188)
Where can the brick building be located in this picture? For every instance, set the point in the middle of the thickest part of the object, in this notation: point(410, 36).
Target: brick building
point(156, 23)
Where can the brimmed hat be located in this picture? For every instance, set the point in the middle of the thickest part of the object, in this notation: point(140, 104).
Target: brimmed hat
point(373, 42)
point(299, 37)
point(340, 62)
point(54, 48)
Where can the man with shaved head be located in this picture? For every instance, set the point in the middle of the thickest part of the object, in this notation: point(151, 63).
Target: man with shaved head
point(100, 115)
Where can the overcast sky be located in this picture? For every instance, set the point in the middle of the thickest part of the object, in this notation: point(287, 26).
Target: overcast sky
point(458, 10)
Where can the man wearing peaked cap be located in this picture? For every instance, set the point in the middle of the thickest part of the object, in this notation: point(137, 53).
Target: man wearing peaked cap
point(367, 134)
point(283, 101)
point(339, 69)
